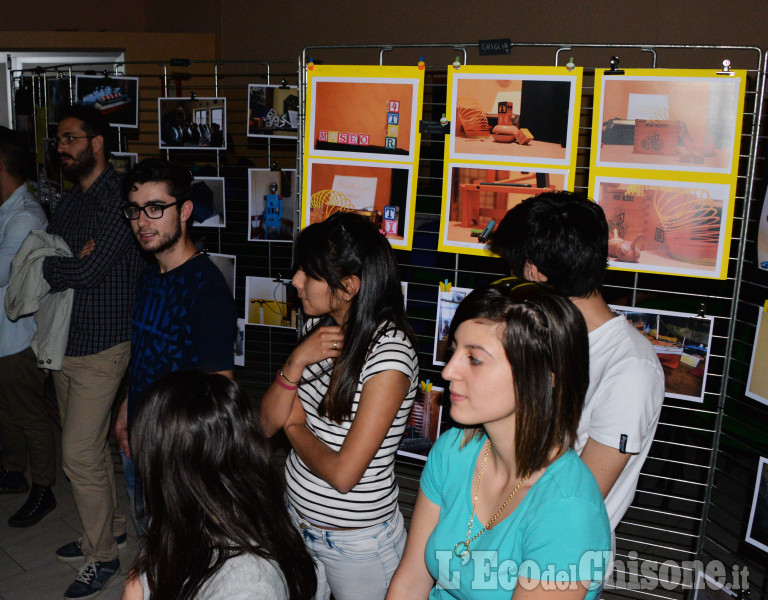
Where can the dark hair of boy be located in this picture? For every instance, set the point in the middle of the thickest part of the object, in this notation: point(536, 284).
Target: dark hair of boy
point(563, 234)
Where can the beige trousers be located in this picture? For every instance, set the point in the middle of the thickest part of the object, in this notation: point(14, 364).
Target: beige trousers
point(85, 388)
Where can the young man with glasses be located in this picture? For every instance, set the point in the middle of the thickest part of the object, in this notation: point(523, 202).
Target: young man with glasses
point(560, 240)
point(103, 274)
point(184, 316)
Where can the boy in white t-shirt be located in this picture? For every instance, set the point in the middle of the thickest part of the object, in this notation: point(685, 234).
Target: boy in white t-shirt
point(561, 239)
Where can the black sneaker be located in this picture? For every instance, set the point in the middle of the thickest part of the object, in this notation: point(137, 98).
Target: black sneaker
point(39, 503)
point(73, 552)
point(91, 579)
point(12, 482)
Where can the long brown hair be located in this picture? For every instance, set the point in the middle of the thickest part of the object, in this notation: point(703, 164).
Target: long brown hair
point(546, 342)
point(210, 491)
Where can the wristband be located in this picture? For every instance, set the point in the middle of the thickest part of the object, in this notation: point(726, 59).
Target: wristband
point(285, 386)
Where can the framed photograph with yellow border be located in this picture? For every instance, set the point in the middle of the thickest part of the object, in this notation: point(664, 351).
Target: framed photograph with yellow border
point(363, 117)
point(666, 226)
point(513, 134)
point(375, 190)
point(479, 195)
point(519, 115)
point(670, 120)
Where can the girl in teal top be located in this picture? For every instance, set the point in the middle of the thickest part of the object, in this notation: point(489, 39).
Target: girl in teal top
point(506, 508)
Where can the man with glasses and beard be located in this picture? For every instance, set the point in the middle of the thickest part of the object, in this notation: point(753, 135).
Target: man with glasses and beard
point(184, 316)
point(103, 275)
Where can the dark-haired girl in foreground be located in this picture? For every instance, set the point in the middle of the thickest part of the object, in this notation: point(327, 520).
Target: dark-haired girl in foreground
point(506, 508)
point(343, 398)
point(218, 527)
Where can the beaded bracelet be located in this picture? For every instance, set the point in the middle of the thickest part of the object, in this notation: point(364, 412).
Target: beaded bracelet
point(279, 379)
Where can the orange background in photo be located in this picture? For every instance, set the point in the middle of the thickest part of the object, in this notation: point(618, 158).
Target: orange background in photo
point(355, 107)
point(688, 101)
point(498, 199)
point(485, 90)
point(323, 174)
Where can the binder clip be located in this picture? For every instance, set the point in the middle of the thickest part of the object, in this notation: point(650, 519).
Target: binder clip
point(614, 64)
point(726, 69)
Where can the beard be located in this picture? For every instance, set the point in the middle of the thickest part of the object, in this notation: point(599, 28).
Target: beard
point(162, 241)
point(81, 164)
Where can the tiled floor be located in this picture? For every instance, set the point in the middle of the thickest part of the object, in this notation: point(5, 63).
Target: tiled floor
point(29, 569)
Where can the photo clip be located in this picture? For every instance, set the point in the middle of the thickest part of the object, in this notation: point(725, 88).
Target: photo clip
point(726, 70)
point(614, 64)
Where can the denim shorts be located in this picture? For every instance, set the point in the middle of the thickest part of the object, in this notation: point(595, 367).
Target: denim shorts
point(354, 563)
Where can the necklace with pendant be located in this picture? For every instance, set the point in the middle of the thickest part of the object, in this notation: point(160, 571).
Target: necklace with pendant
point(462, 548)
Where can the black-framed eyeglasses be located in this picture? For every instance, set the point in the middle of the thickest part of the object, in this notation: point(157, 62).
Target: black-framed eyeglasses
point(152, 211)
point(69, 139)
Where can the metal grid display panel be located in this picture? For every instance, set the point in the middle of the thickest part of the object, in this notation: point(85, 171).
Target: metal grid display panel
point(743, 433)
point(266, 347)
point(666, 518)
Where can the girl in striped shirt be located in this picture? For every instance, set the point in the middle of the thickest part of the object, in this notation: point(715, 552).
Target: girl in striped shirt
point(343, 399)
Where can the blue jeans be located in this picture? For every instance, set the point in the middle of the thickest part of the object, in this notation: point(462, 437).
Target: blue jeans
point(135, 495)
point(355, 564)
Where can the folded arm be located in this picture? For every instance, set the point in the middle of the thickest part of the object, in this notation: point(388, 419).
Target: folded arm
point(276, 405)
point(380, 400)
point(111, 240)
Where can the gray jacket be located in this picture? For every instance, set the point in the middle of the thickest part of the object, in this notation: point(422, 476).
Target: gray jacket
point(28, 293)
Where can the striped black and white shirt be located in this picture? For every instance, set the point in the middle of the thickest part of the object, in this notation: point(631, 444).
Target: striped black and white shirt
point(374, 499)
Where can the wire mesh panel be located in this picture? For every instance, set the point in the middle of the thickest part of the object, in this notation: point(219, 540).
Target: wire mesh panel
point(742, 429)
point(666, 519)
point(674, 517)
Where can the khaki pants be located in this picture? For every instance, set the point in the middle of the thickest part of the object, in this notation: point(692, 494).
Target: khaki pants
point(86, 387)
point(26, 428)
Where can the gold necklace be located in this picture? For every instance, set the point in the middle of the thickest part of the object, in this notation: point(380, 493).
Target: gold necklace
point(462, 548)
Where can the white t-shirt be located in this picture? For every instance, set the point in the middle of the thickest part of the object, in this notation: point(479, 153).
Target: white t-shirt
point(374, 499)
point(242, 577)
point(623, 403)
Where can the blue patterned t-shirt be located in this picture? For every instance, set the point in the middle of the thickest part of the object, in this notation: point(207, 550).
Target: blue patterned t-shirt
point(182, 319)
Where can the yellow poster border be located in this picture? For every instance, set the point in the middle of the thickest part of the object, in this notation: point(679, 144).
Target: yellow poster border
point(448, 162)
point(740, 74)
point(359, 73)
point(624, 175)
point(652, 172)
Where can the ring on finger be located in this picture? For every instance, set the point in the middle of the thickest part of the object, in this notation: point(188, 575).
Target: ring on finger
point(335, 344)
